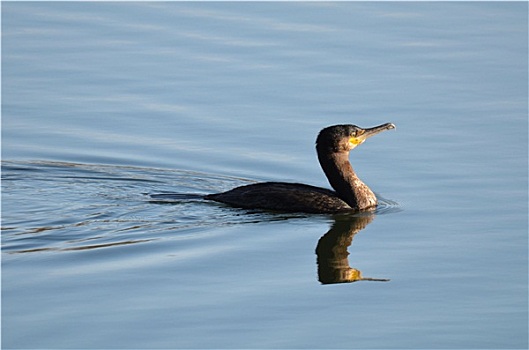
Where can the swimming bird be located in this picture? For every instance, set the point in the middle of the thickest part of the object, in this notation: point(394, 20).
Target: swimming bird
point(333, 145)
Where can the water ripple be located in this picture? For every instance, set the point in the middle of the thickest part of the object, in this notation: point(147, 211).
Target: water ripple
point(85, 206)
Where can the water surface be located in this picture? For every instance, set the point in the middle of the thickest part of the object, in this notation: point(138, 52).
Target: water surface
point(104, 103)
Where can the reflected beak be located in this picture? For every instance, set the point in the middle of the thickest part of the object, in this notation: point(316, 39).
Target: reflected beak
point(367, 133)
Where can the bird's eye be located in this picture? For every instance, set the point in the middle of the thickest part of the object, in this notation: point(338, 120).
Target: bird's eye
point(356, 132)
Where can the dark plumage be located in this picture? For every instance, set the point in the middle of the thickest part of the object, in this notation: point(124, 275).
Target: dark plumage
point(333, 146)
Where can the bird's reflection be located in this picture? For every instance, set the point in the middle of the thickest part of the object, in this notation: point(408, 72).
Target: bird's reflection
point(333, 262)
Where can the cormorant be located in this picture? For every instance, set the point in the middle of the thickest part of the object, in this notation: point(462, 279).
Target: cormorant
point(333, 146)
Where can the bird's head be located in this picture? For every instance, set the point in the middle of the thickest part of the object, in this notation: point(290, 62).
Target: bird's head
point(345, 137)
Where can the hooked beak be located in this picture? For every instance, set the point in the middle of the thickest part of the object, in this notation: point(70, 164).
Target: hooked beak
point(367, 133)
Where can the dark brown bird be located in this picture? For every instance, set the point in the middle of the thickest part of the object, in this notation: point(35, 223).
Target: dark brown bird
point(350, 194)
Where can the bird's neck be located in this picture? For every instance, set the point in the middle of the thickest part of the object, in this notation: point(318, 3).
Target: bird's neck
point(343, 179)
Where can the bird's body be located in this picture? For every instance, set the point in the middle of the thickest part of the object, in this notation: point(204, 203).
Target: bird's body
point(283, 196)
point(333, 146)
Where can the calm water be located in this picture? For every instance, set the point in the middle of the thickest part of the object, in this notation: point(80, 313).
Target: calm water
point(104, 103)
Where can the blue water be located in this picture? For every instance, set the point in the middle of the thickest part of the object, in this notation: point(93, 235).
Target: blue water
point(104, 103)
